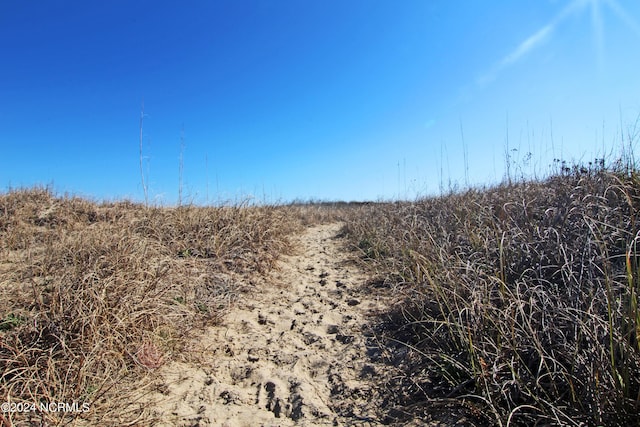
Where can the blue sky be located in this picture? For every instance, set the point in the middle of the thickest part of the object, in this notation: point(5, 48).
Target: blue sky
point(350, 100)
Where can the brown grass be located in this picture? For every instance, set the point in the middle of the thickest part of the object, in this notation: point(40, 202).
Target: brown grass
point(519, 303)
point(94, 296)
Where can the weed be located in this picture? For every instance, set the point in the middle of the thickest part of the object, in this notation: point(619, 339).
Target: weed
point(522, 297)
point(11, 321)
point(97, 295)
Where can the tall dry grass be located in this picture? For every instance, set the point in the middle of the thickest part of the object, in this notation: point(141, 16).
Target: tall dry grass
point(312, 212)
point(519, 303)
point(94, 296)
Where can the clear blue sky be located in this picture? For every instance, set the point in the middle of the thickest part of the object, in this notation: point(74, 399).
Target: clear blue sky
point(351, 100)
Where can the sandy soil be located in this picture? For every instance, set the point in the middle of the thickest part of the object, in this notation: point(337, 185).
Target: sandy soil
point(295, 351)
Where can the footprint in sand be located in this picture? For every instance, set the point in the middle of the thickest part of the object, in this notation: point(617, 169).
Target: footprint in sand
point(292, 353)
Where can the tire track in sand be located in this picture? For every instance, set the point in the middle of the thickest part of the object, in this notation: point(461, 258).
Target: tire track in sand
point(294, 352)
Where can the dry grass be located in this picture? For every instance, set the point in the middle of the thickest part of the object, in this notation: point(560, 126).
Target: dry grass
point(319, 212)
point(95, 296)
point(519, 303)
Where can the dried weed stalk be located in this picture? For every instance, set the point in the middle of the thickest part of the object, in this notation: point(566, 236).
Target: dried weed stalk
point(96, 296)
point(520, 300)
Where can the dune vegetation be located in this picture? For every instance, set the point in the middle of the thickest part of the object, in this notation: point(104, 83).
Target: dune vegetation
point(94, 296)
point(519, 300)
point(516, 304)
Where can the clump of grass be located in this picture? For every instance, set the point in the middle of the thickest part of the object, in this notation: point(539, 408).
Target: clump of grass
point(320, 212)
point(520, 302)
point(97, 295)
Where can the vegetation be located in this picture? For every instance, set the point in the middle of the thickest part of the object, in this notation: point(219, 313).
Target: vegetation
point(519, 303)
point(94, 296)
point(516, 305)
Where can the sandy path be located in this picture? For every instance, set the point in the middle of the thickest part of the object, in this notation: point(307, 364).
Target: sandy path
point(293, 353)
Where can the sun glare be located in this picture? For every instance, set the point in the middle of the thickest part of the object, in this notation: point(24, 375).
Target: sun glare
point(598, 27)
point(598, 32)
point(545, 33)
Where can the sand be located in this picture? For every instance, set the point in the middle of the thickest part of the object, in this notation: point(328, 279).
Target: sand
point(293, 351)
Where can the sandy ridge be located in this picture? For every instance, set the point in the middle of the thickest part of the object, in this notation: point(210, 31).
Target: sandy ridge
point(294, 352)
